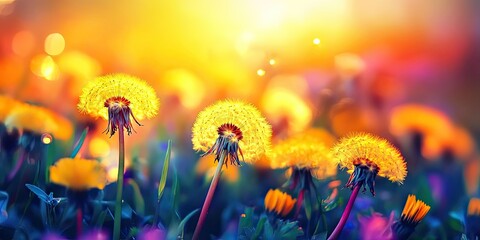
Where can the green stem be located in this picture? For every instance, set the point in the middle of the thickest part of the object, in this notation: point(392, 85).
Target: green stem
point(208, 198)
point(121, 166)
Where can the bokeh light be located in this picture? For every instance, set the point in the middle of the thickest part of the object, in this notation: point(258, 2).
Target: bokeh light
point(46, 138)
point(54, 44)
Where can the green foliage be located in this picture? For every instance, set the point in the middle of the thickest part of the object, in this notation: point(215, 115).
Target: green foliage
point(265, 227)
point(79, 143)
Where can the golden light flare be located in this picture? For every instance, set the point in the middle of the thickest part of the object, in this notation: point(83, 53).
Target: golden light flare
point(44, 66)
point(316, 41)
point(54, 44)
point(261, 72)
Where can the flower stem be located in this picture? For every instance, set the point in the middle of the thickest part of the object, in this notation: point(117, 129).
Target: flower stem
point(208, 198)
point(121, 166)
point(338, 229)
point(299, 203)
point(79, 221)
point(18, 164)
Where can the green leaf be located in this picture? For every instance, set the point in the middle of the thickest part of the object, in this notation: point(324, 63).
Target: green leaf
point(268, 233)
point(175, 192)
point(259, 227)
point(39, 192)
point(308, 207)
point(246, 219)
point(455, 224)
point(163, 178)
point(137, 198)
point(181, 226)
point(79, 143)
point(289, 230)
point(327, 207)
point(101, 219)
point(320, 236)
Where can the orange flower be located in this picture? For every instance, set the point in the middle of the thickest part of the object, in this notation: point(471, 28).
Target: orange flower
point(279, 202)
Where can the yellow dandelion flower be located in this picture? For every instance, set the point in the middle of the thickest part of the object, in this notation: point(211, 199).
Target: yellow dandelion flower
point(414, 210)
point(367, 156)
point(473, 207)
point(39, 120)
point(232, 128)
point(7, 104)
point(304, 152)
point(279, 202)
point(118, 97)
point(78, 174)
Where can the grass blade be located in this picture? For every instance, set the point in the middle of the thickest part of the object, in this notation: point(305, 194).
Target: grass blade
point(79, 143)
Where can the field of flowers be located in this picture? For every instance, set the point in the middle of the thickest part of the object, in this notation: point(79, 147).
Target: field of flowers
point(239, 120)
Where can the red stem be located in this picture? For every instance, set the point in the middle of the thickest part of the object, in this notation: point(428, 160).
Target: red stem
point(208, 198)
point(299, 203)
point(79, 222)
point(338, 229)
point(18, 164)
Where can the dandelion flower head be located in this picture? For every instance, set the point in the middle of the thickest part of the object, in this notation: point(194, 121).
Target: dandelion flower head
point(79, 174)
point(118, 98)
point(367, 156)
point(304, 151)
point(233, 128)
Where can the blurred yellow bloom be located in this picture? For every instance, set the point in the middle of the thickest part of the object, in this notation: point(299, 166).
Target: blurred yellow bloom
point(474, 207)
point(39, 120)
point(78, 174)
point(279, 202)
point(460, 144)
point(236, 123)
point(286, 110)
point(118, 97)
point(427, 121)
point(304, 151)
point(414, 210)
point(7, 104)
point(206, 166)
point(367, 156)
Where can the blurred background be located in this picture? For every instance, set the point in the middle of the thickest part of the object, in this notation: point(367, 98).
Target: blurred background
point(340, 65)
